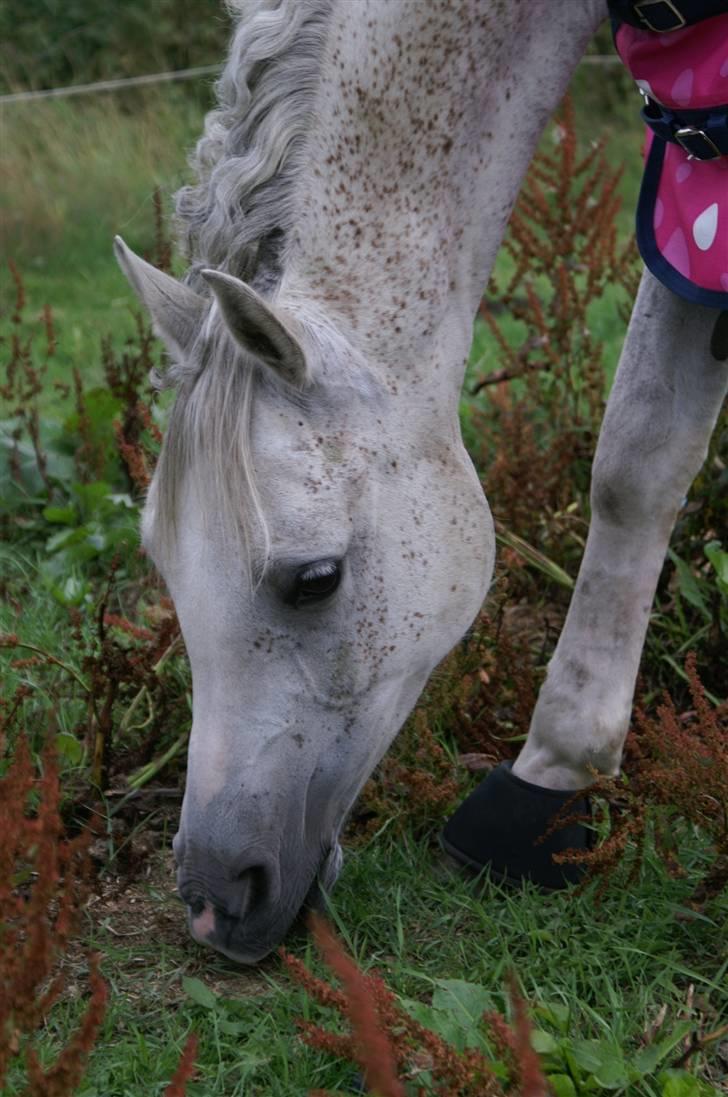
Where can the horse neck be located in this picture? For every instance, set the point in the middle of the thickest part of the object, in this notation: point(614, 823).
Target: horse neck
point(427, 117)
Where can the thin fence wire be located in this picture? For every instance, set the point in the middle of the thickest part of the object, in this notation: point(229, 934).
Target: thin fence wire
point(110, 85)
point(179, 74)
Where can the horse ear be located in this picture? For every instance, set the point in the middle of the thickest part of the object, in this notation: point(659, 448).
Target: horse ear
point(256, 327)
point(176, 311)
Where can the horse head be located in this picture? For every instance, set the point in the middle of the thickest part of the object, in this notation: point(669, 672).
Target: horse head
point(326, 542)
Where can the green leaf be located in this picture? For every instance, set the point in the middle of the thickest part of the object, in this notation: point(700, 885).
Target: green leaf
point(72, 592)
point(198, 992)
point(719, 559)
point(467, 1002)
point(61, 515)
point(678, 1083)
point(64, 538)
point(556, 1013)
point(603, 1060)
point(59, 468)
point(69, 747)
point(688, 585)
point(648, 1058)
point(443, 1023)
point(92, 496)
point(543, 1042)
point(562, 1085)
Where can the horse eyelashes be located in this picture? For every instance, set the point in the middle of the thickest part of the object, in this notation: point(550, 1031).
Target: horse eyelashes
point(316, 582)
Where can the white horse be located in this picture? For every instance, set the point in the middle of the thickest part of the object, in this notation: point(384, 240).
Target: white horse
point(314, 513)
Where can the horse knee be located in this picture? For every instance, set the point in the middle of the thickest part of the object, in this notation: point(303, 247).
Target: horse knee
point(633, 488)
point(622, 490)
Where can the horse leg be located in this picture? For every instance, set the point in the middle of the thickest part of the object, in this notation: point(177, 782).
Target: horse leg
point(663, 406)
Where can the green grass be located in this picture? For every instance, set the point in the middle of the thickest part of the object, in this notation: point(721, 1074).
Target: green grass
point(75, 173)
point(400, 908)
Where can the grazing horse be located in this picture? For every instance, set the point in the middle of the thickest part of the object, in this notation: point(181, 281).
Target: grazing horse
point(314, 513)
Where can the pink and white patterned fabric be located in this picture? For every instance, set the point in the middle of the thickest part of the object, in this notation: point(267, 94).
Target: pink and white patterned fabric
point(682, 216)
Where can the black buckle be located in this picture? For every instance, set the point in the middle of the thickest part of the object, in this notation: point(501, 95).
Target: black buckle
point(663, 15)
point(696, 143)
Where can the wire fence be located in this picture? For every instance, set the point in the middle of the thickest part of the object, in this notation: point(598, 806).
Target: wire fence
point(110, 85)
point(179, 74)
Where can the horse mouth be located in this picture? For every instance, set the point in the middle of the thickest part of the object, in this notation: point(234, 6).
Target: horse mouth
point(249, 940)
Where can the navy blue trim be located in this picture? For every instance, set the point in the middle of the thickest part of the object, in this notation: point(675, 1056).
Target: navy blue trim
point(653, 257)
point(663, 19)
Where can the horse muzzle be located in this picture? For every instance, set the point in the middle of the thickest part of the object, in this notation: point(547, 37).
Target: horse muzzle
point(246, 912)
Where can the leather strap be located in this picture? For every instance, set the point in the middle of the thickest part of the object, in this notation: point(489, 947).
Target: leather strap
point(663, 16)
point(703, 134)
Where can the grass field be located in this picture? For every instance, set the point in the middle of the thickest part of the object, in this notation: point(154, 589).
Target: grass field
point(77, 172)
point(598, 976)
point(608, 971)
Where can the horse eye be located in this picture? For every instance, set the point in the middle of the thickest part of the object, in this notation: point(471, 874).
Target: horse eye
point(316, 582)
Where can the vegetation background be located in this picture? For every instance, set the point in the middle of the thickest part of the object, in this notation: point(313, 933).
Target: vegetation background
point(628, 993)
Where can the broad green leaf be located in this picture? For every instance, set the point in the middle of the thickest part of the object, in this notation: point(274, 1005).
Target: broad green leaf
point(678, 1083)
point(69, 747)
point(422, 1013)
point(573, 1066)
point(603, 1060)
point(198, 992)
point(59, 468)
point(543, 1042)
point(441, 1022)
point(562, 1085)
point(466, 1001)
point(688, 585)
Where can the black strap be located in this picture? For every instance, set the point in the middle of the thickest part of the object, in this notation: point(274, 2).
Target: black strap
point(703, 134)
point(663, 16)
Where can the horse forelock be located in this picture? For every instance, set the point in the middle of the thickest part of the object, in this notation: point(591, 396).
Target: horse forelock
point(208, 438)
point(210, 429)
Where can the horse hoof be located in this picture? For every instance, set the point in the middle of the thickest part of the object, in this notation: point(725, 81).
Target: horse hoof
point(498, 825)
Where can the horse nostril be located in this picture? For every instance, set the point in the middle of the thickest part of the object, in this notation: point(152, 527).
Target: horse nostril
point(255, 887)
point(196, 906)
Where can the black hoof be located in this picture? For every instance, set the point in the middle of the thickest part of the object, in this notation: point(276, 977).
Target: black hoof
point(497, 827)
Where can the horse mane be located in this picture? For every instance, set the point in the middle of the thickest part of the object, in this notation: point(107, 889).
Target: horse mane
point(236, 217)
